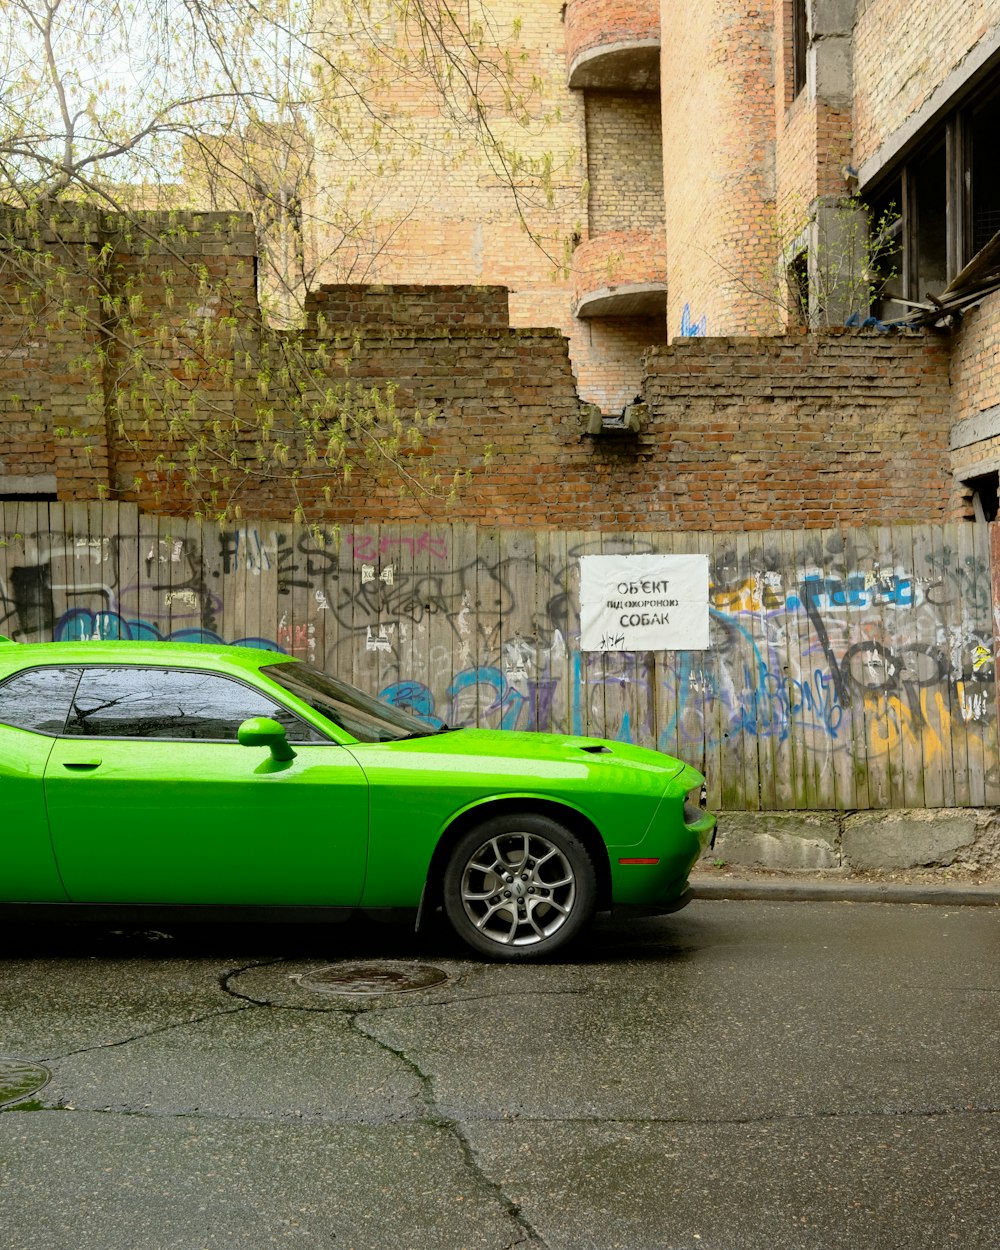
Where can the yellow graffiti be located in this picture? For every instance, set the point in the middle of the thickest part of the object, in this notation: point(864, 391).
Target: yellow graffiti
point(760, 593)
point(981, 657)
point(893, 726)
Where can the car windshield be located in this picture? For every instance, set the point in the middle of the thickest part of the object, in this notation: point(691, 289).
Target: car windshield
point(364, 717)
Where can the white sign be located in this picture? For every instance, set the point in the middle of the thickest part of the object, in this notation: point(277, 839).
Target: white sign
point(643, 603)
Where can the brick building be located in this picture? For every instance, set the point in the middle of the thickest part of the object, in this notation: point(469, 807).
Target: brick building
point(705, 189)
point(721, 170)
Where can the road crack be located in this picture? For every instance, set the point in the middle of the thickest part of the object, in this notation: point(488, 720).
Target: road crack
point(455, 1129)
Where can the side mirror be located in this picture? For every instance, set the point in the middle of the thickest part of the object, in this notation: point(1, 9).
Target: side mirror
point(261, 731)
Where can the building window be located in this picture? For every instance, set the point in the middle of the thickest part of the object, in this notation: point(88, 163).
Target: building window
point(943, 204)
point(799, 44)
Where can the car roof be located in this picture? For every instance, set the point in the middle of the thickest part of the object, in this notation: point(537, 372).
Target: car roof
point(185, 654)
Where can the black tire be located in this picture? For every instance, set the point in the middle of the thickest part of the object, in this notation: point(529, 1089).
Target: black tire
point(519, 887)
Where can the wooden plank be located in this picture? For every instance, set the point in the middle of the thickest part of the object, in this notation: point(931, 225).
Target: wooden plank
point(80, 593)
point(451, 632)
point(519, 640)
point(7, 619)
point(774, 757)
point(898, 723)
point(262, 561)
point(811, 649)
point(662, 679)
point(391, 564)
point(572, 543)
point(213, 607)
point(35, 596)
point(967, 743)
point(558, 607)
point(339, 659)
point(173, 566)
point(846, 700)
point(149, 605)
point(868, 673)
point(600, 665)
point(618, 669)
point(923, 743)
point(991, 629)
point(57, 553)
point(367, 607)
point(695, 684)
point(741, 677)
point(425, 674)
point(412, 634)
point(936, 649)
point(322, 573)
point(724, 679)
point(231, 617)
point(123, 566)
point(18, 622)
point(270, 604)
point(541, 683)
point(758, 717)
point(463, 594)
point(947, 616)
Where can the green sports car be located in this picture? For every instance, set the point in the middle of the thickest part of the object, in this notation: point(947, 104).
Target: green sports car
point(188, 781)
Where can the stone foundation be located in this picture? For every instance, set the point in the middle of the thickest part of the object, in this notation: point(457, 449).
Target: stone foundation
point(873, 841)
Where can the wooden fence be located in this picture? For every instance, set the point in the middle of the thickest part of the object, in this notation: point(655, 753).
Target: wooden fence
point(847, 669)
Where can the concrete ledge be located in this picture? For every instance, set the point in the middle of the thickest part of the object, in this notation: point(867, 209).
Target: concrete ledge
point(784, 840)
point(860, 842)
point(845, 892)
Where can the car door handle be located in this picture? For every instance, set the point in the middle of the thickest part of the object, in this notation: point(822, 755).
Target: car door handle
point(81, 765)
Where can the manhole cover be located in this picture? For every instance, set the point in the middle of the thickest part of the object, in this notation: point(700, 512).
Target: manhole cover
point(18, 1079)
point(372, 978)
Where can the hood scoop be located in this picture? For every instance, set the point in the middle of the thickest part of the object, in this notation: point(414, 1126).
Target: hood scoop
point(598, 748)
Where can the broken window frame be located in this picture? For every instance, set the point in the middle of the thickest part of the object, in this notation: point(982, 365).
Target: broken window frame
point(954, 134)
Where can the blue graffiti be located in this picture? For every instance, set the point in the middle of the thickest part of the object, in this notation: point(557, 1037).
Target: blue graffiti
point(413, 697)
point(856, 592)
point(534, 709)
point(693, 329)
point(508, 701)
point(82, 625)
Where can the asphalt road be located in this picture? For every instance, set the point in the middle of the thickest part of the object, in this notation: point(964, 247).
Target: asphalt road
point(742, 1075)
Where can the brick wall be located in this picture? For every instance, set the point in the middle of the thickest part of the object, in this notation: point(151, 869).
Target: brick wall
point(975, 369)
point(624, 162)
point(429, 206)
point(717, 72)
point(52, 419)
point(975, 380)
point(741, 434)
point(619, 257)
point(903, 50)
point(428, 203)
point(811, 430)
point(410, 305)
point(603, 23)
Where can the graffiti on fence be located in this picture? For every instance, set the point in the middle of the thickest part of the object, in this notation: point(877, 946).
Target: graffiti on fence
point(843, 648)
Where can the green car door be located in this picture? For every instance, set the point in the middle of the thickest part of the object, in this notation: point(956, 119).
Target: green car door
point(33, 707)
point(151, 799)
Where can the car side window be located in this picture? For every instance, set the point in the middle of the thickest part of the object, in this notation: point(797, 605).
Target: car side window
point(38, 699)
point(137, 702)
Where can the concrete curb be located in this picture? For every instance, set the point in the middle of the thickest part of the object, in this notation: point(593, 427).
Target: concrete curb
point(846, 892)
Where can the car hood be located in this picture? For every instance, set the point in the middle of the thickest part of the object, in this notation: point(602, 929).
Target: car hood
point(514, 745)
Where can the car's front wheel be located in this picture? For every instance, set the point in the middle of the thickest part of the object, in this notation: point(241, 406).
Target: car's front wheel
point(519, 887)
